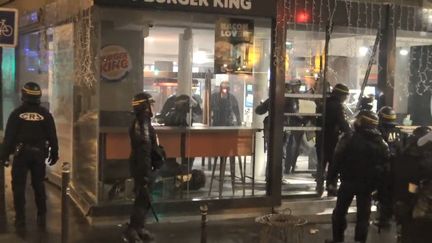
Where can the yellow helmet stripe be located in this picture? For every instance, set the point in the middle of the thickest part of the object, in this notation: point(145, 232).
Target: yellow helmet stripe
point(341, 90)
point(32, 92)
point(371, 120)
point(390, 117)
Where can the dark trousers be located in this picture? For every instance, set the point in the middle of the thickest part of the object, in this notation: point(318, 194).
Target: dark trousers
point(346, 193)
point(24, 162)
point(385, 203)
point(141, 205)
point(292, 150)
point(325, 159)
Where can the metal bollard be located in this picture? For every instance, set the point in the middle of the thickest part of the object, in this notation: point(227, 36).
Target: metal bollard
point(65, 202)
point(204, 209)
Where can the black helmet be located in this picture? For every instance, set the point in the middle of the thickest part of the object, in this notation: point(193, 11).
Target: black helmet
point(366, 102)
point(387, 115)
point(366, 119)
point(31, 93)
point(141, 102)
point(340, 89)
point(295, 82)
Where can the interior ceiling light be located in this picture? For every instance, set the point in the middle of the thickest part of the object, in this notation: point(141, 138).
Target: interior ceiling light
point(403, 52)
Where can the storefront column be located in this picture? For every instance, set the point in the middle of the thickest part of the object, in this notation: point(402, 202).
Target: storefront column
point(184, 85)
point(386, 59)
point(260, 94)
point(277, 102)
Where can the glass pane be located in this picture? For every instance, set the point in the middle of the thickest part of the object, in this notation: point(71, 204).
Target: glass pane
point(85, 111)
point(61, 77)
point(348, 57)
point(176, 65)
point(412, 96)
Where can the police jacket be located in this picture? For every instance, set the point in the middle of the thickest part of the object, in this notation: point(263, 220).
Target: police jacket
point(412, 166)
point(394, 137)
point(291, 106)
point(360, 157)
point(143, 139)
point(335, 121)
point(32, 125)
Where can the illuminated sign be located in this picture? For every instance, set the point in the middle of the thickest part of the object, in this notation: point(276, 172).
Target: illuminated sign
point(115, 63)
point(263, 8)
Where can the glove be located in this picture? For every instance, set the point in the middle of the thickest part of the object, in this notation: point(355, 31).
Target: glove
point(53, 158)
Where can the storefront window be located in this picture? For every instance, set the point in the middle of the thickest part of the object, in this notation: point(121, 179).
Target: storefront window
point(412, 96)
point(223, 80)
point(348, 57)
point(9, 84)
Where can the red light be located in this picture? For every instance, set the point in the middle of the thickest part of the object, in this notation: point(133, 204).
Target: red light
point(302, 17)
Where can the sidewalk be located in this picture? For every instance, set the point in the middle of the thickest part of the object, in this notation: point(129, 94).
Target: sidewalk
point(226, 231)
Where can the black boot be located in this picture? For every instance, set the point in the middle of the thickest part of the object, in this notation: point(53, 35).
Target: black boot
point(130, 235)
point(145, 235)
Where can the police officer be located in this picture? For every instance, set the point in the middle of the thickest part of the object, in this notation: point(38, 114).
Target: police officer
point(358, 159)
point(412, 167)
point(335, 124)
point(395, 139)
point(292, 139)
point(31, 136)
point(143, 140)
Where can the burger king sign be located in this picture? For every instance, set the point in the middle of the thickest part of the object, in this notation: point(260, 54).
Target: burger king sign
point(115, 63)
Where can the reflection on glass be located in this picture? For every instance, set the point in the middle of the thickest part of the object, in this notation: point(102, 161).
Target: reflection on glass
point(412, 97)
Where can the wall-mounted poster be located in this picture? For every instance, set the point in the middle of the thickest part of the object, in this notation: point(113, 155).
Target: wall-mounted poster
point(234, 46)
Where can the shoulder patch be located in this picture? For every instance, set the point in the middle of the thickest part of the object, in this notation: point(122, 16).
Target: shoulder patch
point(31, 116)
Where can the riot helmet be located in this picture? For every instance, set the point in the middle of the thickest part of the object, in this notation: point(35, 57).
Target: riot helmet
point(293, 86)
point(31, 93)
point(366, 102)
point(142, 103)
point(341, 91)
point(366, 120)
point(387, 115)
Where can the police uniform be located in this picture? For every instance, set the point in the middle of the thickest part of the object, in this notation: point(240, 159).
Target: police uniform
point(358, 159)
point(31, 136)
point(395, 138)
point(335, 125)
point(143, 139)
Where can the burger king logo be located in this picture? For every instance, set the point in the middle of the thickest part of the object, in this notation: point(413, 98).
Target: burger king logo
point(116, 63)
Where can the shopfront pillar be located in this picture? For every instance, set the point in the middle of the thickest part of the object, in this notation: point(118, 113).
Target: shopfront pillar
point(184, 85)
point(387, 58)
point(260, 94)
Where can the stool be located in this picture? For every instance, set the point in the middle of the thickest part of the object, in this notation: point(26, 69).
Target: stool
point(221, 178)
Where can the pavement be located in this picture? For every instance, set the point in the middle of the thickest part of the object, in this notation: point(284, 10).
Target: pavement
point(224, 231)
